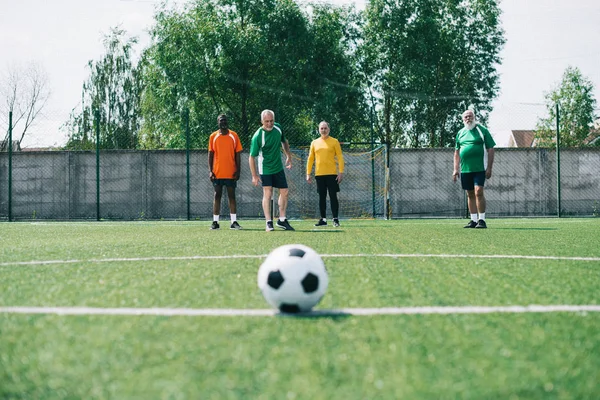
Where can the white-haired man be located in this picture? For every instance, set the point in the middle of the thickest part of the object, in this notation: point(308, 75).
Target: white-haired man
point(473, 160)
point(265, 151)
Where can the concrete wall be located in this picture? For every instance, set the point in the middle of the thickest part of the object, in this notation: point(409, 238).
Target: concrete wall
point(153, 185)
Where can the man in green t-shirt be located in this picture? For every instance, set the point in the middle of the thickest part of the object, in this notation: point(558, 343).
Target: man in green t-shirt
point(265, 150)
point(474, 153)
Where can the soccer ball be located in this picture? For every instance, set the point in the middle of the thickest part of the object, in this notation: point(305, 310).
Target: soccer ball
point(293, 278)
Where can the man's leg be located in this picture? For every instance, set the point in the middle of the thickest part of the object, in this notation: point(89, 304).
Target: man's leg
point(471, 202)
point(480, 200)
point(335, 205)
point(472, 205)
point(231, 196)
point(283, 202)
point(266, 202)
point(323, 203)
point(217, 200)
point(216, 206)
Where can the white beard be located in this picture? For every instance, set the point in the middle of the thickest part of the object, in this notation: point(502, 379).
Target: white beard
point(471, 126)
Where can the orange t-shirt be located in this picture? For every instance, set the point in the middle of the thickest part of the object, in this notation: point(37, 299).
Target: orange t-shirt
point(224, 147)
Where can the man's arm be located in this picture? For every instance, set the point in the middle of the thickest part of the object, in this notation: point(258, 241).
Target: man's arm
point(340, 162)
point(488, 171)
point(288, 155)
point(211, 160)
point(456, 165)
point(255, 177)
point(238, 166)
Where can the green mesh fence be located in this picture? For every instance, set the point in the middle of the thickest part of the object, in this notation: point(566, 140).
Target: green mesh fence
point(172, 183)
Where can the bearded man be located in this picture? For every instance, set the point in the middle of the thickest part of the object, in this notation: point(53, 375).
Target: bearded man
point(473, 160)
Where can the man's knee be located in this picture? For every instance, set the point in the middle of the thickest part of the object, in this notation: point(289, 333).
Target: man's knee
point(267, 192)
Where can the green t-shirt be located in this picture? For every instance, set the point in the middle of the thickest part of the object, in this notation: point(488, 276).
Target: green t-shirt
point(266, 147)
point(470, 145)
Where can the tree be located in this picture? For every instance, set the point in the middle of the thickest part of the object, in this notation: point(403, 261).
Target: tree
point(576, 104)
point(427, 61)
point(24, 92)
point(111, 94)
point(240, 57)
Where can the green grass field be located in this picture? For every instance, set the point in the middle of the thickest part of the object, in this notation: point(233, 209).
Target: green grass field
point(328, 355)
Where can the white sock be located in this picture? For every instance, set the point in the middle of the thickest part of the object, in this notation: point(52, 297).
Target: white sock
point(474, 217)
point(216, 218)
point(324, 219)
point(233, 218)
point(282, 219)
point(482, 216)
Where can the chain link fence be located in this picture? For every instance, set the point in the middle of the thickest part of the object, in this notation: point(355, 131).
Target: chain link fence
point(173, 183)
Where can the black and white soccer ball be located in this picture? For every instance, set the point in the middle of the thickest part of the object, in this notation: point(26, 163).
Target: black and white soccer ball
point(293, 278)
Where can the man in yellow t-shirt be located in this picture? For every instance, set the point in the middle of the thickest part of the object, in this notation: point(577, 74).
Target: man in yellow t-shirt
point(326, 154)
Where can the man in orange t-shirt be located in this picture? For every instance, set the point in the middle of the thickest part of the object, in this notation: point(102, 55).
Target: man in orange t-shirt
point(224, 149)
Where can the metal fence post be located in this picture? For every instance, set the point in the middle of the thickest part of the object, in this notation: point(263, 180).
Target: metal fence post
point(10, 166)
point(558, 212)
point(97, 126)
point(186, 122)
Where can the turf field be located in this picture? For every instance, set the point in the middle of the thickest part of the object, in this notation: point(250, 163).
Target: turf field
point(414, 309)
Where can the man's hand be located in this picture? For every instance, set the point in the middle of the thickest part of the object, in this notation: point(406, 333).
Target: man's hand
point(488, 173)
point(211, 176)
point(308, 178)
point(454, 176)
point(288, 162)
point(340, 177)
point(255, 180)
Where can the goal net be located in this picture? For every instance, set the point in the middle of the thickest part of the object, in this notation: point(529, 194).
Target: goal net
point(363, 191)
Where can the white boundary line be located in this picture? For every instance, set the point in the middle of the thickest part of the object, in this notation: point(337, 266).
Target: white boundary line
point(228, 312)
point(183, 258)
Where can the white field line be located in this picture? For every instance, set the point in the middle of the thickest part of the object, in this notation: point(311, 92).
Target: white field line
point(184, 258)
point(228, 312)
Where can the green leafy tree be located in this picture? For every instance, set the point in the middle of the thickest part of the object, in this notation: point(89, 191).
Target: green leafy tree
point(111, 94)
point(428, 60)
point(576, 104)
point(241, 57)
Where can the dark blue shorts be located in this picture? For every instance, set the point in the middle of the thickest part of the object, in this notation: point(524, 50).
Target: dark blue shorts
point(224, 182)
point(275, 180)
point(469, 180)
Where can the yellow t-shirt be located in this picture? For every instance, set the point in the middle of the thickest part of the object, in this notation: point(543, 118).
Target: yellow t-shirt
point(325, 153)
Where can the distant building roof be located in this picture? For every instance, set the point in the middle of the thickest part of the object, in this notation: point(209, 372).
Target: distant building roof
point(521, 138)
point(593, 137)
point(39, 149)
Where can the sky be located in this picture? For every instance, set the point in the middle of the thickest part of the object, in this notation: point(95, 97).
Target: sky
point(544, 37)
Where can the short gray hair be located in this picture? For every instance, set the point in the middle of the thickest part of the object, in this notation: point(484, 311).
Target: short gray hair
point(265, 112)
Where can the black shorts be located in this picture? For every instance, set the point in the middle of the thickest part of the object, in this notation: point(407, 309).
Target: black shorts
point(325, 182)
point(469, 180)
point(277, 180)
point(225, 182)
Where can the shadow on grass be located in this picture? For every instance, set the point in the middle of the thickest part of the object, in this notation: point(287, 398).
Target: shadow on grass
point(329, 314)
point(527, 229)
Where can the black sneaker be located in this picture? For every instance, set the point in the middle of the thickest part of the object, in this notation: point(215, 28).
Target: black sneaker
point(481, 224)
point(471, 224)
point(336, 222)
point(214, 226)
point(235, 225)
point(321, 223)
point(285, 225)
point(270, 226)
